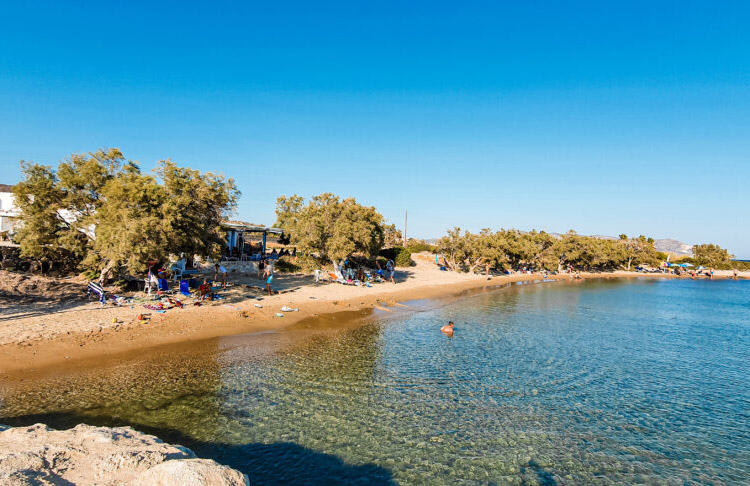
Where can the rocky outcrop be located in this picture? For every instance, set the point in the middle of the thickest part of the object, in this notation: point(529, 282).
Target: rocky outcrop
point(103, 456)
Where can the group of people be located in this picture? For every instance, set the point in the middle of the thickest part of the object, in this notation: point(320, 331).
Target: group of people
point(350, 272)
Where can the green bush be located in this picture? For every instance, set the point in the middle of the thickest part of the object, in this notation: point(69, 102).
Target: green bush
point(417, 247)
point(400, 256)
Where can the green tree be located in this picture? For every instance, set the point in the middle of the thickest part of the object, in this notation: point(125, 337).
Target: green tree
point(330, 227)
point(102, 210)
point(194, 206)
point(639, 251)
point(392, 236)
point(39, 200)
point(711, 255)
point(454, 248)
point(129, 227)
point(489, 250)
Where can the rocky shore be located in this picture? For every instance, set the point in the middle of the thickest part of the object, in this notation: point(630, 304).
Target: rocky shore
point(103, 456)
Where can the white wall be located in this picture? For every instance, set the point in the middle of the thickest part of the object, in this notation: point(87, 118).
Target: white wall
point(7, 204)
point(8, 211)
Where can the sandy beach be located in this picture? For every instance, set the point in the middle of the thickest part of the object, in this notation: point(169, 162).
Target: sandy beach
point(35, 336)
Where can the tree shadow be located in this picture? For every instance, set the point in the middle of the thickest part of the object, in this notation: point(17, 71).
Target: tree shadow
point(275, 463)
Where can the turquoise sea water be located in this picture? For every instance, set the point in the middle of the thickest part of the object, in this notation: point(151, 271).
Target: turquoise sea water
point(599, 382)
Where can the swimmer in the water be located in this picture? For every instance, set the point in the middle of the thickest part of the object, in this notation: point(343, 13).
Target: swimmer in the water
point(447, 330)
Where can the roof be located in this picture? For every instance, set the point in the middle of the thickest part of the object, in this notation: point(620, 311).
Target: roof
point(6, 188)
point(244, 226)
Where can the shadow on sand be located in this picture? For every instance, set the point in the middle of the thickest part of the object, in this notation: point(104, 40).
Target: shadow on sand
point(276, 463)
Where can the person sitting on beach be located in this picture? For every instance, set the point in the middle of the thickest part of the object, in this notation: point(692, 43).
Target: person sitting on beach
point(379, 271)
point(221, 273)
point(203, 290)
point(447, 329)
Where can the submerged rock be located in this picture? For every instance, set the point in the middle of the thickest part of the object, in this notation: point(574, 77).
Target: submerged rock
point(103, 456)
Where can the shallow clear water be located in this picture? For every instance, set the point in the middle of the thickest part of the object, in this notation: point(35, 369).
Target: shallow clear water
point(600, 382)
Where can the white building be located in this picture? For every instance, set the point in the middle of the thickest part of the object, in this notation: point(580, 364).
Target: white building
point(9, 212)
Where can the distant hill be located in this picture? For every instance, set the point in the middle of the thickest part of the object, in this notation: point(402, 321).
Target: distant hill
point(675, 247)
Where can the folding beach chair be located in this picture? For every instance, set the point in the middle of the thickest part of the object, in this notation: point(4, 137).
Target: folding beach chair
point(96, 289)
point(185, 287)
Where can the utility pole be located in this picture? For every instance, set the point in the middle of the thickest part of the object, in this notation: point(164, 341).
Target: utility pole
point(406, 219)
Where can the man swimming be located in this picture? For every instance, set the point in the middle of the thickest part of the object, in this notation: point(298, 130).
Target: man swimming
point(448, 329)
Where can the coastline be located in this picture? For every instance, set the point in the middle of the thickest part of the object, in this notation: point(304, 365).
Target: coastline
point(39, 343)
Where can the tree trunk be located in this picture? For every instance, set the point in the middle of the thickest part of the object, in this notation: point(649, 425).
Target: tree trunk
point(105, 270)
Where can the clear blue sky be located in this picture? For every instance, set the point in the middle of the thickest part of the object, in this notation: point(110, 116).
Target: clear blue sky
point(605, 117)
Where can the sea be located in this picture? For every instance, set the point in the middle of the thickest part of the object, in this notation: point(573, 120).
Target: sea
point(605, 381)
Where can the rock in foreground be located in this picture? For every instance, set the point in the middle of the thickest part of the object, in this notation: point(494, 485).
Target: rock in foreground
point(103, 456)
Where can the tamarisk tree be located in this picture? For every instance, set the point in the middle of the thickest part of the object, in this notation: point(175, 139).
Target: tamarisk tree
point(101, 210)
point(331, 227)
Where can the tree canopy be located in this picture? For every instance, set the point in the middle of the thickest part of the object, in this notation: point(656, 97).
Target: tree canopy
point(539, 250)
point(331, 227)
point(711, 255)
point(100, 208)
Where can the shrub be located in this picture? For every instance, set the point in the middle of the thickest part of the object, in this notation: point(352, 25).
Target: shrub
point(400, 256)
point(418, 246)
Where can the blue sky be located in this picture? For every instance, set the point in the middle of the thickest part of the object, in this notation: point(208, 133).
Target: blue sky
point(629, 118)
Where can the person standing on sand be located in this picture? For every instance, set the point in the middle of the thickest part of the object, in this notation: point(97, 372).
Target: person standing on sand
point(390, 266)
point(221, 272)
point(268, 283)
point(269, 268)
point(447, 329)
point(734, 274)
point(261, 266)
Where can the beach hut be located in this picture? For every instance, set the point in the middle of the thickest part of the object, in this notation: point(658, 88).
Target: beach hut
point(240, 232)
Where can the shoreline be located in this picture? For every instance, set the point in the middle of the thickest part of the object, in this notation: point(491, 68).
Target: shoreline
point(97, 341)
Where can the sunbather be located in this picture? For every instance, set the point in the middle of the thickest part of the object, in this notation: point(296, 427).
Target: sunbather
point(203, 290)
